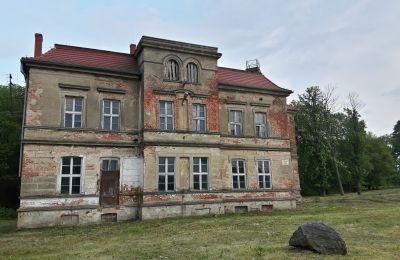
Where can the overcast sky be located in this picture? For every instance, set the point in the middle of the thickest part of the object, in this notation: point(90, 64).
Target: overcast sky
point(351, 45)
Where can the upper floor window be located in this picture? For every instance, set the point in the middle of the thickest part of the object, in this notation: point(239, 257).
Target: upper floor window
point(73, 112)
point(166, 115)
point(260, 123)
point(172, 70)
point(264, 174)
point(166, 173)
point(199, 117)
point(239, 174)
point(235, 122)
point(200, 173)
point(192, 73)
point(111, 114)
point(71, 170)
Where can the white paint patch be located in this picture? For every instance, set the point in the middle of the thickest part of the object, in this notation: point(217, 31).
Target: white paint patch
point(132, 172)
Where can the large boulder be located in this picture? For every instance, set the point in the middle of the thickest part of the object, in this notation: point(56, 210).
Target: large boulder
point(320, 238)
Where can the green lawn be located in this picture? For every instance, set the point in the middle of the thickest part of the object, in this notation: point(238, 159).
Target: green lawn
point(370, 225)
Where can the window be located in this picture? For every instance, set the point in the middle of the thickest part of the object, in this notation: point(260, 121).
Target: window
point(260, 122)
point(239, 174)
point(192, 73)
point(110, 165)
point(235, 122)
point(73, 112)
point(71, 170)
point(199, 117)
point(200, 173)
point(264, 174)
point(166, 115)
point(172, 70)
point(111, 111)
point(166, 174)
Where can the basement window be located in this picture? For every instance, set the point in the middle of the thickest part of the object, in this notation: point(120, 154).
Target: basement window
point(166, 173)
point(71, 171)
point(200, 173)
point(172, 70)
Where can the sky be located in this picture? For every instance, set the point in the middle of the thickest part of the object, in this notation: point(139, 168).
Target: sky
point(353, 46)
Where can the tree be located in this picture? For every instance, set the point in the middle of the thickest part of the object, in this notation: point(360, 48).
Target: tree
point(395, 142)
point(380, 162)
point(314, 126)
point(11, 107)
point(354, 143)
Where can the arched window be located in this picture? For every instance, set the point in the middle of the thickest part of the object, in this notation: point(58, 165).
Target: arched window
point(192, 73)
point(172, 70)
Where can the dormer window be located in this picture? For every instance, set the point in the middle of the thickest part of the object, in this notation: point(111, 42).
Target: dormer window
point(173, 70)
point(192, 73)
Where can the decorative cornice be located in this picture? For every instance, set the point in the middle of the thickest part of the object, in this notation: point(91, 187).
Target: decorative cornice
point(256, 104)
point(235, 102)
point(77, 87)
point(79, 143)
point(112, 90)
point(174, 92)
point(101, 131)
point(243, 89)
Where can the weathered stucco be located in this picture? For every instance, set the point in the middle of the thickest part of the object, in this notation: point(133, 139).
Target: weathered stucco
point(139, 143)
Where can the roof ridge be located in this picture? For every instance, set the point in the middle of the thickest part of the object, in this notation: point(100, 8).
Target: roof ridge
point(64, 46)
point(219, 67)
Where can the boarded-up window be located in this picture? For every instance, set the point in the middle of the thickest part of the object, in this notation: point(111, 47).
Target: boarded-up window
point(172, 70)
point(192, 73)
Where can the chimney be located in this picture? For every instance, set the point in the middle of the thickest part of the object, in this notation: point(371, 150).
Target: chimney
point(38, 44)
point(132, 48)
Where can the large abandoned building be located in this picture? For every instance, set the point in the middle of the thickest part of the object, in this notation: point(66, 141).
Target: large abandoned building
point(158, 132)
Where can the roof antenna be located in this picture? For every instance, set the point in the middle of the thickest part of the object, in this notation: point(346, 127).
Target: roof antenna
point(253, 66)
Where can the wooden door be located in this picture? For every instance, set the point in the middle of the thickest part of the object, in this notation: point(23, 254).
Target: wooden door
point(109, 188)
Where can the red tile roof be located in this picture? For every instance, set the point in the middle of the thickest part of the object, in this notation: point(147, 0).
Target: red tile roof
point(89, 58)
point(250, 79)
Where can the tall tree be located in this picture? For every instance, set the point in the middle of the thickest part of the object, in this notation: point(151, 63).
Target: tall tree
point(395, 142)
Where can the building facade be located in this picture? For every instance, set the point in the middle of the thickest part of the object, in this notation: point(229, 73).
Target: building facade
point(161, 131)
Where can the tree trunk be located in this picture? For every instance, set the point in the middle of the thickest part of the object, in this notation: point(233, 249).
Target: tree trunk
point(359, 187)
point(339, 178)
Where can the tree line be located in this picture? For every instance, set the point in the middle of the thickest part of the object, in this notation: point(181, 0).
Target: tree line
point(336, 153)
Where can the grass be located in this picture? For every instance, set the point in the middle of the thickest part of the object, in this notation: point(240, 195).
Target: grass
point(370, 225)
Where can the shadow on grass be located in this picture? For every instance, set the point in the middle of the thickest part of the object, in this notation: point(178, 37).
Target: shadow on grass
point(7, 226)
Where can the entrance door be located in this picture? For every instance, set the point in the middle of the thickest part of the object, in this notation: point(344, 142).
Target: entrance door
point(109, 183)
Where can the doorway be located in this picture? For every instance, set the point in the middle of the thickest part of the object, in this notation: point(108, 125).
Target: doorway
point(109, 183)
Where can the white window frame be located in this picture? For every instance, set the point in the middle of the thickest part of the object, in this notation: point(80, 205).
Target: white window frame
point(192, 73)
point(196, 118)
point(166, 173)
point(165, 115)
point(263, 174)
point(234, 124)
point(173, 70)
point(238, 174)
point(201, 172)
point(73, 112)
point(262, 126)
point(70, 175)
point(111, 114)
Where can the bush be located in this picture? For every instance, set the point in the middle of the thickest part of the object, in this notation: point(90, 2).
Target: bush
point(6, 213)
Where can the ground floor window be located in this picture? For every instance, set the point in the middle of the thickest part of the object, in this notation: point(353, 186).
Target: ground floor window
point(264, 174)
point(200, 173)
point(239, 174)
point(71, 171)
point(166, 173)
